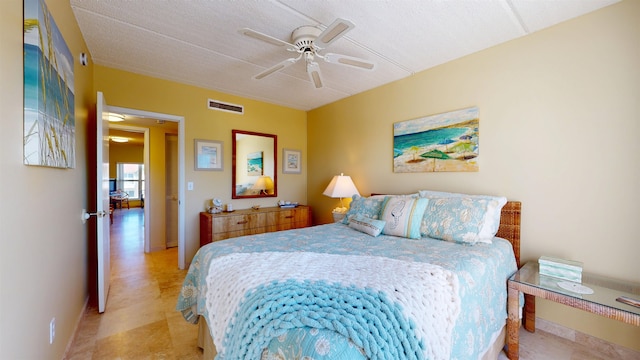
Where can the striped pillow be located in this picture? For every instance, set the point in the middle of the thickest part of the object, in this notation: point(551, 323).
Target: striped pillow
point(403, 215)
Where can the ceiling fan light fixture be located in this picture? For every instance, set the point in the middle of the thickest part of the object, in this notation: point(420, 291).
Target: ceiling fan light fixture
point(308, 41)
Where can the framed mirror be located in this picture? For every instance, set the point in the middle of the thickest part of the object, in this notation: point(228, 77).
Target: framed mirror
point(254, 157)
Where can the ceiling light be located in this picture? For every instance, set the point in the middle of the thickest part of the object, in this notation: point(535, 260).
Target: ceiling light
point(119, 139)
point(113, 117)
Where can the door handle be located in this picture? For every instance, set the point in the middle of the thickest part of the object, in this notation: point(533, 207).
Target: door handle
point(86, 215)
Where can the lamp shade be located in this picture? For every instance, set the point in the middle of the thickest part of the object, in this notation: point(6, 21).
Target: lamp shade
point(341, 186)
point(264, 184)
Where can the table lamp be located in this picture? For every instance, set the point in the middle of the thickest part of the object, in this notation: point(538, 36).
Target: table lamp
point(341, 186)
point(264, 185)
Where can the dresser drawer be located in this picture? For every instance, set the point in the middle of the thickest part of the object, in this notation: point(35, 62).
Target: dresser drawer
point(239, 222)
point(231, 234)
point(291, 218)
point(220, 226)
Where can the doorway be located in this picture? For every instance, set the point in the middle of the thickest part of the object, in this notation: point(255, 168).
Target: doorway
point(135, 120)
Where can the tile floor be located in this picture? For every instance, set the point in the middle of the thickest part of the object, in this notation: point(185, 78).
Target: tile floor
point(140, 321)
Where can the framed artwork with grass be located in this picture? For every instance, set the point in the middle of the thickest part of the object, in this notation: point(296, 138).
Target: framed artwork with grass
point(49, 120)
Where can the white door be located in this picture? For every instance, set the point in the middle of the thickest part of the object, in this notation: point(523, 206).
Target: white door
point(102, 201)
point(171, 181)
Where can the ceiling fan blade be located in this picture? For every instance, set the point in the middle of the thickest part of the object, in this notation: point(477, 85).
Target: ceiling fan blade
point(313, 69)
point(349, 61)
point(268, 39)
point(279, 66)
point(334, 32)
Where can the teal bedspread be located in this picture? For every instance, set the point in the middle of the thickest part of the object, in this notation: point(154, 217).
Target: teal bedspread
point(480, 272)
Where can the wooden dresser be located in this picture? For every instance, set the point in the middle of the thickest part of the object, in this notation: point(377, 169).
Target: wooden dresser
point(220, 226)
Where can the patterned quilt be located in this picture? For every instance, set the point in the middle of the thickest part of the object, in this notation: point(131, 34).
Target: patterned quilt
point(256, 289)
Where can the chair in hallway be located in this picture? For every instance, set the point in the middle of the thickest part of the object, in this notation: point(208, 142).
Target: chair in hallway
point(119, 198)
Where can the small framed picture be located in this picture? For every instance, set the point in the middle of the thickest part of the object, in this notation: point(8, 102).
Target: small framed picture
point(291, 161)
point(208, 155)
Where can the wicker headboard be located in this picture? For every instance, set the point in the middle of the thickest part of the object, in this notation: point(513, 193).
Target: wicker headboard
point(509, 225)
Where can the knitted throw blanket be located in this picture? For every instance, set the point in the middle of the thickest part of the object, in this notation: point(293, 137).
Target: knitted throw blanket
point(390, 308)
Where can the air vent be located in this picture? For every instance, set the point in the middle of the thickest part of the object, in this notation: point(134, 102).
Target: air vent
point(222, 106)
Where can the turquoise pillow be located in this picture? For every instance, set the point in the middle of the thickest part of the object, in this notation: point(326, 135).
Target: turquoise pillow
point(367, 207)
point(366, 225)
point(403, 215)
point(465, 220)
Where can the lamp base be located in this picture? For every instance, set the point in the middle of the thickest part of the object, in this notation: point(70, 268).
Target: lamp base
point(339, 213)
point(340, 210)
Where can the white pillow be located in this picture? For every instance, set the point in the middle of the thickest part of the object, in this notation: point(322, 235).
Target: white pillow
point(366, 225)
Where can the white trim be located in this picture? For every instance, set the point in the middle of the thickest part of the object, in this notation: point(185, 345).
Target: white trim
point(76, 328)
point(181, 175)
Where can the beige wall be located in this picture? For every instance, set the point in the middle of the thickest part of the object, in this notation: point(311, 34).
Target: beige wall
point(128, 90)
point(124, 153)
point(558, 131)
point(44, 258)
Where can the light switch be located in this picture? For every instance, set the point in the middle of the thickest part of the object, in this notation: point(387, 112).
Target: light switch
point(190, 185)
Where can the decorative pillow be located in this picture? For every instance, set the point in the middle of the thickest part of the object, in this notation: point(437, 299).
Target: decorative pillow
point(403, 215)
point(367, 207)
point(462, 219)
point(366, 225)
point(492, 217)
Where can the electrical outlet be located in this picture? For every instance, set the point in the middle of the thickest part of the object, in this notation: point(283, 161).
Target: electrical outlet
point(52, 330)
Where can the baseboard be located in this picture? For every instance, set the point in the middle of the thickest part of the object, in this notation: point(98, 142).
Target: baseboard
point(76, 328)
point(615, 351)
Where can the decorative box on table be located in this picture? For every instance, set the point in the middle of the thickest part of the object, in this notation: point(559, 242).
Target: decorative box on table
point(560, 268)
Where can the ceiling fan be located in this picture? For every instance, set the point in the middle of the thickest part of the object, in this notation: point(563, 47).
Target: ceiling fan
point(308, 42)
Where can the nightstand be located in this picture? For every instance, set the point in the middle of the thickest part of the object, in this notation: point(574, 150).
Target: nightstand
point(602, 301)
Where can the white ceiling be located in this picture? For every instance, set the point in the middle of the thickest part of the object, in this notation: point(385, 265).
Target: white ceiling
point(197, 42)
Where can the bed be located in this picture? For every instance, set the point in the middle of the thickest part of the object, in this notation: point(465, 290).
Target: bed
point(336, 291)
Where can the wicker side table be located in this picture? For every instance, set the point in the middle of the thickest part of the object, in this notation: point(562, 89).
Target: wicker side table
point(602, 302)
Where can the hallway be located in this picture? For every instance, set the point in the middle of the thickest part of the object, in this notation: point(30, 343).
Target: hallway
point(140, 321)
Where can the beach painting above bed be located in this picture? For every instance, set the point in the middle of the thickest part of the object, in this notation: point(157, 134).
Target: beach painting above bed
point(442, 142)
